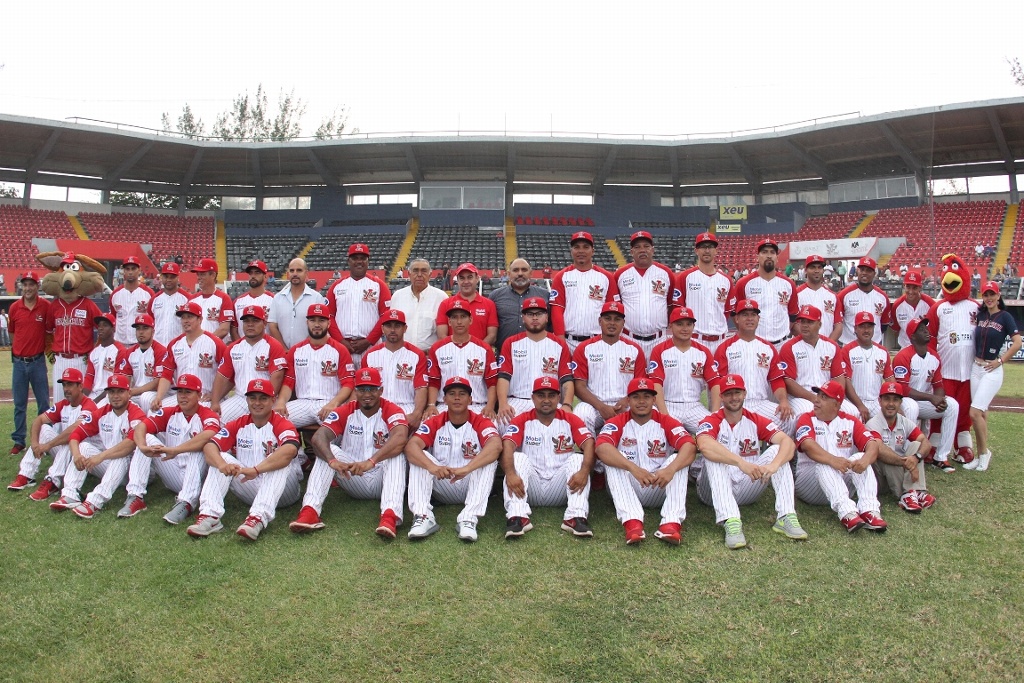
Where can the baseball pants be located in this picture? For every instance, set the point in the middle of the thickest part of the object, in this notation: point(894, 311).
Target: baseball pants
point(648, 346)
point(690, 414)
point(630, 498)
point(182, 474)
point(112, 474)
point(23, 376)
point(472, 491)
point(303, 412)
point(30, 462)
point(60, 364)
point(900, 480)
point(264, 494)
point(820, 484)
point(385, 482)
point(942, 438)
point(766, 408)
point(550, 492)
point(984, 386)
point(589, 415)
point(726, 487)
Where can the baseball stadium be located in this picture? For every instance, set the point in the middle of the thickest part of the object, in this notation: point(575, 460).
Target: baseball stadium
point(938, 596)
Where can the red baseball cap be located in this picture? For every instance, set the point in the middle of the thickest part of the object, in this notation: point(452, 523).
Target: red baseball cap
point(188, 382)
point(253, 312)
point(864, 317)
point(143, 320)
point(746, 305)
point(641, 384)
point(832, 389)
point(457, 382)
point(914, 324)
point(108, 317)
point(535, 302)
point(809, 312)
point(131, 261)
point(767, 242)
point(814, 258)
point(682, 313)
point(118, 381)
point(393, 315)
point(732, 383)
point(260, 386)
point(358, 248)
point(705, 237)
point(258, 265)
point(206, 265)
point(867, 262)
point(640, 235)
point(545, 383)
point(913, 278)
point(71, 376)
point(466, 266)
point(368, 377)
point(457, 305)
point(318, 311)
point(582, 235)
point(30, 275)
point(613, 307)
point(190, 307)
point(69, 257)
point(892, 388)
point(170, 268)
point(991, 286)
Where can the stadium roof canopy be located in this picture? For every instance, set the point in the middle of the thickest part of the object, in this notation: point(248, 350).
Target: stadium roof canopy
point(958, 140)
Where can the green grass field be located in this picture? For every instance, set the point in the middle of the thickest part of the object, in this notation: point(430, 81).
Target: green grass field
point(938, 597)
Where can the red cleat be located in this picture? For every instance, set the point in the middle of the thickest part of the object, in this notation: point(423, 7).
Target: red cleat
point(963, 455)
point(17, 448)
point(670, 532)
point(925, 499)
point(908, 501)
point(388, 525)
point(634, 531)
point(853, 522)
point(45, 490)
point(873, 522)
point(20, 482)
point(307, 521)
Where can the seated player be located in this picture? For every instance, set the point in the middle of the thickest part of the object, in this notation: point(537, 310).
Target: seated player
point(900, 457)
point(809, 360)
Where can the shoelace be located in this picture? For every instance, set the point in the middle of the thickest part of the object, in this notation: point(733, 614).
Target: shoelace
point(790, 519)
point(733, 526)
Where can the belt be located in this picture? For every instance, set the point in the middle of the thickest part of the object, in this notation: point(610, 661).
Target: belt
point(982, 361)
point(708, 337)
point(579, 338)
point(779, 341)
point(70, 355)
point(642, 338)
point(27, 359)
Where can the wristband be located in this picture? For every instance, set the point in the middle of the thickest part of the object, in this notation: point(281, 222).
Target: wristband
point(256, 470)
point(373, 463)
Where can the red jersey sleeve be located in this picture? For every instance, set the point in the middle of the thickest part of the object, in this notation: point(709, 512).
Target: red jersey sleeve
point(428, 429)
point(157, 422)
point(224, 439)
point(613, 287)
point(581, 370)
point(861, 434)
point(483, 427)
point(655, 366)
point(210, 419)
point(420, 380)
point(90, 374)
point(392, 414)
point(766, 429)
point(433, 368)
point(278, 356)
point(564, 361)
point(675, 432)
point(226, 367)
point(794, 303)
point(887, 368)
point(710, 425)
point(611, 433)
point(289, 372)
point(516, 430)
point(901, 365)
point(338, 418)
point(491, 370)
point(505, 366)
point(284, 430)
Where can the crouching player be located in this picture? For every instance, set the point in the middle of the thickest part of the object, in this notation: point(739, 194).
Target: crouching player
point(900, 457)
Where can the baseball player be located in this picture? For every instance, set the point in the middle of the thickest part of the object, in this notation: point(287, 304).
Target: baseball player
point(360, 447)
point(809, 360)
point(402, 367)
point(361, 300)
point(528, 356)
point(867, 366)
point(911, 304)
point(194, 352)
point(452, 458)
point(828, 464)
point(101, 444)
point(256, 296)
point(51, 432)
point(141, 363)
point(178, 456)
point(462, 355)
point(104, 358)
point(605, 365)
point(541, 466)
point(901, 452)
point(256, 355)
point(861, 296)
point(643, 451)
point(129, 300)
point(814, 292)
point(72, 326)
point(578, 292)
point(28, 342)
point(735, 470)
point(254, 458)
point(166, 303)
point(218, 309)
point(319, 374)
point(645, 288)
point(775, 292)
point(919, 369)
point(682, 370)
point(704, 290)
point(756, 360)
point(484, 323)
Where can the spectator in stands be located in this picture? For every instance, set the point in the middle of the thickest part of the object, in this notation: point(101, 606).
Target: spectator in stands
point(288, 309)
point(841, 270)
point(419, 302)
point(509, 299)
point(979, 249)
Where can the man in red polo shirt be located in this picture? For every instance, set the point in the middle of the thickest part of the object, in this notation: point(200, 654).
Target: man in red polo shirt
point(484, 323)
point(28, 339)
point(72, 325)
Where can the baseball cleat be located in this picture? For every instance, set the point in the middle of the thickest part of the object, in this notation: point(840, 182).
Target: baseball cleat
point(874, 522)
point(634, 531)
point(179, 513)
point(423, 526)
point(86, 510)
point(789, 526)
point(20, 482)
point(133, 505)
point(964, 455)
point(204, 526)
point(983, 461)
point(517, 526)
point(467, 531)
point(925, 499)
point(944, 465)
point(670, 532)
point(64, 503)
point(852, 522)
point(388, 525)
point(251, 527)
point(308, 520)
point(908, 501)
point(578, 527)
point(45, 490)
point(734, 538)
point(17, 448)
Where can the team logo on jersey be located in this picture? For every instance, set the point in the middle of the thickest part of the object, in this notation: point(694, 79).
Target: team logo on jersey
point(763, 360)
point(511, 429)
point(783, 365)
point(656, 449)
point(213, 314)
point(205, 360)
point(878, 310)
point(931, 376)
point(370, 296)
point(596, 293)
point(470, 450)
point(628, 442)
point(108, 364)
point(328, 368)
point(697, 369)
point(826, 362)
point(721, 294)
point(149, 370)
point(802, 432)
point(474, 366)
point(141, 307)
point(974, 317)
point(879, 366)
point(549, 365)
point(748, 447)
point(704, 428)
point(378, 439)
point(268, 448)
point(262, 363)
point(424, 429)
point(844, 439)
point(953, 337)
point(562, 444)
point(222, 434)
point(627, 365)
point(784, 298)
point(830, 306)
point(404, 371)
point(659, 288)
point(532, 441)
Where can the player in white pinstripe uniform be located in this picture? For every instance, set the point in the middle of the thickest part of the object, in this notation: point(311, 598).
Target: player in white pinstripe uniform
point(604, 367)
point(867, 366)
point(319, 374)
point(402, 367)
point(129, 300)
point(218, 308)
point(911, 304)
point(646, 455)
point(809, 360)
point(194, 352)
point(142, 362)
point(166, 303)
point(256, 296)
point(528, 356)
point(754, 359)
point(861, 296)
point(462, 355)
point(683, 369)
point(254, 458)
point(177, 457)
point(452, 457)
point(900, 456)
point(542, 467)
point(645, 288)
point(360, 447)
point(828, 464)
point(774, 292)
point(104, 358)
point(578, 292)
point(704, 290)
point(256, 355)
point(814, 292)
point(736, 472)
point(357, 302)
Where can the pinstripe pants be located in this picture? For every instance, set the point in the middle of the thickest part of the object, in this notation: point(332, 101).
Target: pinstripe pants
point(726, 487)
point(472, 491)
point(385, 482)
point(182, 474)
point(630, 498)
point(112, 474)
point(548, 492)
point(30, 462)
point(264, 494)
point(820, 484)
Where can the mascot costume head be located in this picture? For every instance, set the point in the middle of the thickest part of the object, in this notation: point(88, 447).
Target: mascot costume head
point(72, 277)
point(954, 278)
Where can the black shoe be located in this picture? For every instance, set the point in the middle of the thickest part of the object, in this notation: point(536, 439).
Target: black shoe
point(578, 526)
point(944, 465)
point(517, 526)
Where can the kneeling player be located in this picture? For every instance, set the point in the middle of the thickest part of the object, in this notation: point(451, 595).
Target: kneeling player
point(254, 457)
point(542, 467)
point(900, 457)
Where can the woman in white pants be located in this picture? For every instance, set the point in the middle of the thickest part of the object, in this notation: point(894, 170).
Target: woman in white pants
point(995, 325)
